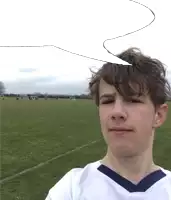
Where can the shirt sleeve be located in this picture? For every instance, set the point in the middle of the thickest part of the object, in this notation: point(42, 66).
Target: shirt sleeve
point(62, 190)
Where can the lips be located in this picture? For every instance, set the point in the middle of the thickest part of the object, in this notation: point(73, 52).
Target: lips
point(120, 130)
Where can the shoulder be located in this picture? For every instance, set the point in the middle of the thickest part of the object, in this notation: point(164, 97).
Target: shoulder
point(166, 171)
point(63, 188)
point(68, 185)
point(168, 175)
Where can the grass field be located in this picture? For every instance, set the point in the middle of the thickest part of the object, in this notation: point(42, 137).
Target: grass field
point(36, 131)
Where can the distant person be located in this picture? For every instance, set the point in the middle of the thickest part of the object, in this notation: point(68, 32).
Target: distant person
point(132, 104)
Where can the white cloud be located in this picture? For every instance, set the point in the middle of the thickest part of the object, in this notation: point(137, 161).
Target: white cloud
point(46, 61)
point(54, 70)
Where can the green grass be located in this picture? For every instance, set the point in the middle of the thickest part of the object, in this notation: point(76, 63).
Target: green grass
point(35, 131)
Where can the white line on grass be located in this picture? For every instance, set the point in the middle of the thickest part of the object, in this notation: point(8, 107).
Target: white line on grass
point(46, 162)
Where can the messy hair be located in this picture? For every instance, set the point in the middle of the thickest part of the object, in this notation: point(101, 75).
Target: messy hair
point(146, 73)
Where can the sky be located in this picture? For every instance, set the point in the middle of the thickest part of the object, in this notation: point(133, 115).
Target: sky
point(55, 71)
point(44, 70)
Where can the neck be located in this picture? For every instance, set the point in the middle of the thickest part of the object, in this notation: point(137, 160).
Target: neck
point(133, 168)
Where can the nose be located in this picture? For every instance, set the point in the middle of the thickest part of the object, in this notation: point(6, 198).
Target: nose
point(118, 112)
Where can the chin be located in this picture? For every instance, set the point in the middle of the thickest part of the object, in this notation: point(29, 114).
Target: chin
point(124, 151)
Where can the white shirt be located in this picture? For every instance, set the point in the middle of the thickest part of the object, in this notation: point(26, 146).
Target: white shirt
point(97, 182)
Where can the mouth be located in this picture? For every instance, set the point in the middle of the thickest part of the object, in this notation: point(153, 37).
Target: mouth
point(120, 130)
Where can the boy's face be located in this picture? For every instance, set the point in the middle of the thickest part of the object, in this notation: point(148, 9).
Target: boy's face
point(138, 115)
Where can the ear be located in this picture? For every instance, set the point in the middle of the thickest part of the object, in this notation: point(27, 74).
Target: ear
point(161, 115)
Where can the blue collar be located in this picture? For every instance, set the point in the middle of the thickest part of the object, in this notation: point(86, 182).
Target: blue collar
point(142, 186)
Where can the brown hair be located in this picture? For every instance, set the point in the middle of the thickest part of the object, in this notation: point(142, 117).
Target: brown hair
point(145, 72)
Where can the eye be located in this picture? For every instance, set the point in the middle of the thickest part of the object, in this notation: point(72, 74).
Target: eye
point(108, 101)
point(135, 100)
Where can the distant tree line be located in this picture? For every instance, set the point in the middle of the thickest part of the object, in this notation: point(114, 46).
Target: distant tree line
point(46, 96)
point(38, 95)
point(2, 88)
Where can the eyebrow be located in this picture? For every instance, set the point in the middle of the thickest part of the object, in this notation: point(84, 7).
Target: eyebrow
point(113, 95)
point(107, 95)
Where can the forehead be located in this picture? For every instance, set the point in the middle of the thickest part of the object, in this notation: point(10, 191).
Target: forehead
point(105, 88)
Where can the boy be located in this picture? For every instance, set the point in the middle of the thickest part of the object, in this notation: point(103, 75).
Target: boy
point(132, 103)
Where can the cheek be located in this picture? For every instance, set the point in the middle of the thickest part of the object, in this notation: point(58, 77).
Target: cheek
point(103, 117)
point(103, 114)
point(143, 122)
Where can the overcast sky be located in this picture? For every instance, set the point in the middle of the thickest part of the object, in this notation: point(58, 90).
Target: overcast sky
point(52, 70)
point(44, 70)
